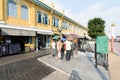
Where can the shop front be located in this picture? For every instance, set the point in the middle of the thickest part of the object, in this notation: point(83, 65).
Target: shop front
point(43, 38)
point(14, 41)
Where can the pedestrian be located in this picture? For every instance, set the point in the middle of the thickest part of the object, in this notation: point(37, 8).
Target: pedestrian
point(59, 46)
point(62, 50)
point(72, 49)
point(68, 49)
point(54, 48)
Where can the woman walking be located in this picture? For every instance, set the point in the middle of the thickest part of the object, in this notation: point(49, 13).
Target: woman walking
point(59, 46)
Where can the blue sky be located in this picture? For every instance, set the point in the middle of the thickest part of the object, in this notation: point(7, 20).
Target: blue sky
point(84, 10)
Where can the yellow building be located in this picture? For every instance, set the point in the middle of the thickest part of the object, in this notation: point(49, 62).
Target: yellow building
point(31, 23)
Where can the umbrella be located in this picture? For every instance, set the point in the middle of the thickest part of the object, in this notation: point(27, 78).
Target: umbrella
point(63, 39)
point(56, 37)
point(71, 37)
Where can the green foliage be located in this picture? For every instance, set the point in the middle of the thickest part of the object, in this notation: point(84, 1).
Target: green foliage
point(96, 27)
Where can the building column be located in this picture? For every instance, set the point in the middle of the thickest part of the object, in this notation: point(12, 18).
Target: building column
point(36, 44)
point(3, 11)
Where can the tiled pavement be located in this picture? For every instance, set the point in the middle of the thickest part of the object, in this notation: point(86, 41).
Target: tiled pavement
point(114, 66)
point(82, 64)
point(27, 67)
point(13, 58)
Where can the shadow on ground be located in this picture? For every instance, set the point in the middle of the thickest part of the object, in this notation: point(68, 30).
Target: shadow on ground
point(74, 76)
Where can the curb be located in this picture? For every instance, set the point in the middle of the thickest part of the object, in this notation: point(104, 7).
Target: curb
point(116, 52)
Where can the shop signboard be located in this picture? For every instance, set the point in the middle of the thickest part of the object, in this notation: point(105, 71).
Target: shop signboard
point(102, 44)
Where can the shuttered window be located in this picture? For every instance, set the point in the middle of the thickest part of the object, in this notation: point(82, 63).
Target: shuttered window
point(39, 17)
point(24, 12)
point(12, 8)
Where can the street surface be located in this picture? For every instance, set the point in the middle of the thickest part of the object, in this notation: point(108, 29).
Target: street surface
point(117, 48)
point(29, 69)
point(24, 67)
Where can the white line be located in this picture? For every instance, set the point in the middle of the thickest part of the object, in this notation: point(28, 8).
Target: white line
point(53, 67)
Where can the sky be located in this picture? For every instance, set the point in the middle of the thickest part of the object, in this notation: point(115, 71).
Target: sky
point(83, 10)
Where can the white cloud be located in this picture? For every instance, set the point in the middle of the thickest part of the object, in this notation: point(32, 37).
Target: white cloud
point(95, 10)
point(95, 7)
point(57, 5)
point(89, 13)
point(110, 15)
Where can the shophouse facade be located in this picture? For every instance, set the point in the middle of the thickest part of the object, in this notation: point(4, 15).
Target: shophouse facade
point(28, 25)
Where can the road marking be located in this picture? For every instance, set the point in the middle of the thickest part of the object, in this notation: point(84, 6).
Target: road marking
point(53, 67)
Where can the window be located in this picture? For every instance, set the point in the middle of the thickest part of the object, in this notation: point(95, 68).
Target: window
point(64, 25)
point(55, 22)
point(28, 40)
point(39, 17)
point(79, 29)
point(45, 19)
point(74, 29)
point(24, 12)
point(12, 8)
point(70, 26)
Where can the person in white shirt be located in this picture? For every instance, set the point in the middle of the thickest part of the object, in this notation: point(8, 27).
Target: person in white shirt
point(68, 49)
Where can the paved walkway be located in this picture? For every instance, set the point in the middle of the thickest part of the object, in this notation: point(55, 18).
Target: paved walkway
point(27, 67)
point(114, 66)
point(41, 66)
point(81, 66)
point(13, 58)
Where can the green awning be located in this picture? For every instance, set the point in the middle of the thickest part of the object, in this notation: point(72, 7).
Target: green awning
point(56, 37)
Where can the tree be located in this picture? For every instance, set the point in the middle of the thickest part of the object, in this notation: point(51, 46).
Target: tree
point(96, 27)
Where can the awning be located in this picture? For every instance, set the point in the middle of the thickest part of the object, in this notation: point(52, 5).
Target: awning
point(45, 32)
point(65, 33)
point(86, 36)
point(28, 33)
point(17, 32)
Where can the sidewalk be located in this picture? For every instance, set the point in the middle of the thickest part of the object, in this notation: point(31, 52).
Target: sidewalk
point(14, 58)
point(81, 64)
point(114, 66)
point(27, 67)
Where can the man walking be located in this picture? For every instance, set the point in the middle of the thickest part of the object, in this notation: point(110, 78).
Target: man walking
point(68, 50)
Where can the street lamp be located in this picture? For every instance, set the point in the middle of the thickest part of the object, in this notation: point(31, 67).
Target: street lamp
point(112, 37)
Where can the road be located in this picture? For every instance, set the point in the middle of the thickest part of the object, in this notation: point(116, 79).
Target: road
point(28, 69)
point(117, 47)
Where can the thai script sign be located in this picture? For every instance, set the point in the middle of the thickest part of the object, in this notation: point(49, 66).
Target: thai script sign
point(102, 44)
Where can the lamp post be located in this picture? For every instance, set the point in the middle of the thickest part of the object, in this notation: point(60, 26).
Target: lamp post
point(112, 37)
